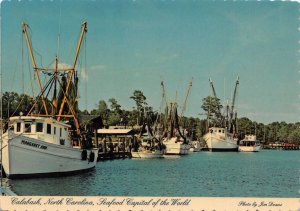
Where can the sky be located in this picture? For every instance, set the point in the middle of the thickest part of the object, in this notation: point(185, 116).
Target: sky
point(133, 45)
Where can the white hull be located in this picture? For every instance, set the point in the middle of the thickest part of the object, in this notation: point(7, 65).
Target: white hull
point(220, 142)
point(28, 157)
point(174, 147)
point(249, 148)
point(148, 154)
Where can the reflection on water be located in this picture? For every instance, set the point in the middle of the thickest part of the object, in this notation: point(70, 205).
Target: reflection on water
point(263, 174)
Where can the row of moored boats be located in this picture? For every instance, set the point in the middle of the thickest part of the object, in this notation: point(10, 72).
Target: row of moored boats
point(51, 142)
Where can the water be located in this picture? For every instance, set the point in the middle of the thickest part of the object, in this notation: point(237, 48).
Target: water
point(264, 174)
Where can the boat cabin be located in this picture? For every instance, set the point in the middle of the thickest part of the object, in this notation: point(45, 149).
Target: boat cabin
point(44, 129)
point(249, 140)
point(217, 130)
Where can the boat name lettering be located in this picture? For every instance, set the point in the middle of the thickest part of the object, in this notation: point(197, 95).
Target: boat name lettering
point(28, 143)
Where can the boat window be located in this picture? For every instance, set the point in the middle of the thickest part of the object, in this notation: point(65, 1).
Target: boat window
point(223, 131)
point(27, 127)
point(39, 127)
point(18, 126)
point(219, 131)
point(49, 128)
point(54, 130)
point(60, 131)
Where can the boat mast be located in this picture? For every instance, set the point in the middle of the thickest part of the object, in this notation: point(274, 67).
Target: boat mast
point(164, 96)
point(233, 102)
point(64, 83)
point(166, 111)
point(215, 96)
point(24, 30)
point(72, 73)
point(185, 100)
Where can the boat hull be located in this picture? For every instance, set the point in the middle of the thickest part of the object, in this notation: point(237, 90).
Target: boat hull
point(25, 157)
point(217, 143)
point(174, 147)
point(249, 148)
point(147, 154)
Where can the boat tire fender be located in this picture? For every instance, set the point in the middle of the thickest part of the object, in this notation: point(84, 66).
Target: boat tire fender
point(84, 155)
point(92, 157)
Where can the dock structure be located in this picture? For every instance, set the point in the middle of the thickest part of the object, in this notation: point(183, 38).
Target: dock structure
point(115, 143)
point(282, 146)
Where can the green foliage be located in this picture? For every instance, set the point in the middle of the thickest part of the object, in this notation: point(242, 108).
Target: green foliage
point(139, 99)
point(212, 107)
point(13, 104)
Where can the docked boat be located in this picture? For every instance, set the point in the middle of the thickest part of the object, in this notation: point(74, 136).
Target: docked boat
point(249, 144)
point(47, 140)
point(219, 139)
point(176, 146)
point(222, 137)
point(148, 145)
point(175, 141)
point(38, 146)
point(148, 153)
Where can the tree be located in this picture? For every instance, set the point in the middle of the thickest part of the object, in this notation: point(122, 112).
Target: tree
point(139, 99)
point(211, 106)
point(114, 105)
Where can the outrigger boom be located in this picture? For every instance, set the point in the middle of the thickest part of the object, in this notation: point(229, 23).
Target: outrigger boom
point(67, 85)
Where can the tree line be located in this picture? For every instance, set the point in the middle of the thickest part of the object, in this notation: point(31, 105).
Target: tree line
point(112, 113)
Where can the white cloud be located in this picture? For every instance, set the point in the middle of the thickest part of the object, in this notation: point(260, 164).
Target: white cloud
point(61, 65)
point(84, 75)
point(98, 67)
point(164, 58)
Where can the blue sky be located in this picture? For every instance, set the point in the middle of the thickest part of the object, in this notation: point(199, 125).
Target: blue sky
point(134, 44)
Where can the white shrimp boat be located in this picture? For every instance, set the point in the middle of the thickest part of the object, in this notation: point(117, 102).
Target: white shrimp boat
point(38, 146)
point(41, 143)
point(219, 139)
point(223, 138)
point(249, 144)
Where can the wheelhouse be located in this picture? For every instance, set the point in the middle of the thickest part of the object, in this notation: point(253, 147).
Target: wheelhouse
point(45, 129)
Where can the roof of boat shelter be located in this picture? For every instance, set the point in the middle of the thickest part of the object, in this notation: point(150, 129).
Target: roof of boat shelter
point(115, 131)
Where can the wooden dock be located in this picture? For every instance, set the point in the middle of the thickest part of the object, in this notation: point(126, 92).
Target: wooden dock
point(282, 146)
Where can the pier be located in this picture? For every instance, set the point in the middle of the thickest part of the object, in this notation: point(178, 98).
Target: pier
point(114, 143)
point(282, 146)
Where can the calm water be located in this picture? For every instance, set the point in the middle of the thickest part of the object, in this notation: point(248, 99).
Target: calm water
point(263, 174)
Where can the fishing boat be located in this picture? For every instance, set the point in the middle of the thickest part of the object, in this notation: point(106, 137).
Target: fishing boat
point(224, 137)
point(44, 142)
point(219, 139)
point(176, 143)
point(148, 152)
point(149, 146)
point(249, 144)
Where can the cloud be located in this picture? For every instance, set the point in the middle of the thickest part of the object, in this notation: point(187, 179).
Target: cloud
point(84, 75)
point(98, 67)
point(61, 65)
point(164, 58)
